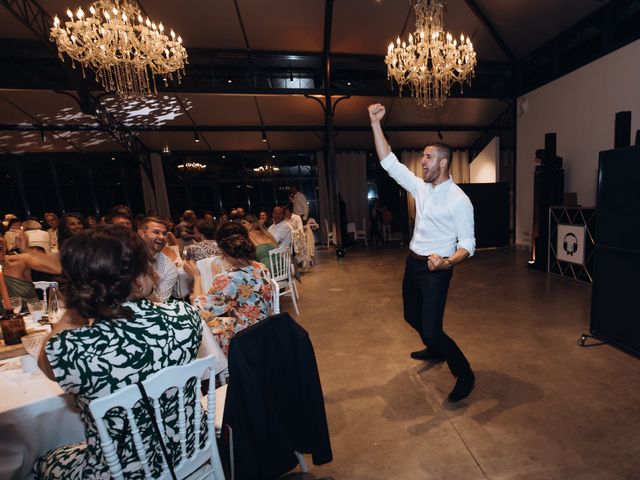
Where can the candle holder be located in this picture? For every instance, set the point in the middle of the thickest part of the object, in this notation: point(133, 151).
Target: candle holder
point(13, 328)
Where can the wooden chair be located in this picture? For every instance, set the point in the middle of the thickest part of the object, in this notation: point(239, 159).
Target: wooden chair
point(204, 461)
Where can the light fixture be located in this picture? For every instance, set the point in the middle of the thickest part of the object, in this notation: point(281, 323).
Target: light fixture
point(431, 60)
point(125, 50)
point(264, 136)
point(192, 167)
point(266, 169)
point(43, 136)
point(165, 150)
point(196, 138)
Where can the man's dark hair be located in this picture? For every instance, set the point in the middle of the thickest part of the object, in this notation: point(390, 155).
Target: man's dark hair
point(207, 229)
point(149, 220)
point(444, 151)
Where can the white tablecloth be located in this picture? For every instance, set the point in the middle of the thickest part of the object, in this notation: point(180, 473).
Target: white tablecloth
point(35, 417)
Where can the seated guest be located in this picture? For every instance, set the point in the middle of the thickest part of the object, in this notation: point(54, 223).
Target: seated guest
point(264, 219)
point(107, 276)
point(71, 224)
point(37, 237)
point(184, 230)
point(243, 292)
point(17, 274)
point(292, 219)
point(14, 228)
point(280, 230)
point(205, 245)
point(171, 237)
point(261, 239)
point(53, 221)
point(120, 218)
point(154, 233)
point(91, 221)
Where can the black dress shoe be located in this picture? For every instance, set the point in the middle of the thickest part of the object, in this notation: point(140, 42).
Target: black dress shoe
point(427, 354)
point(464, 386)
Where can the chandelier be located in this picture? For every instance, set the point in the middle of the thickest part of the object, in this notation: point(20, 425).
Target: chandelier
point(125, 50)
point(431, 60)
point(192, 167)
point(267, 169)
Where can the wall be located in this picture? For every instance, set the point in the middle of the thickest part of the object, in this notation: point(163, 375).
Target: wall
point(580, 107)
point(484, 167)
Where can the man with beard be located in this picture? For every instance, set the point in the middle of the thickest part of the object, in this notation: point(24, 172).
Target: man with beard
point(443, 236)
point(154, 232)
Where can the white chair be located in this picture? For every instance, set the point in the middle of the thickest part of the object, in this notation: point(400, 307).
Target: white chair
point(331, 234)
point(204, 462)
point(351, 229)
point(276, 296)
point(44, 287)
point(362, 234)
point(280, 266)
point(209, 268)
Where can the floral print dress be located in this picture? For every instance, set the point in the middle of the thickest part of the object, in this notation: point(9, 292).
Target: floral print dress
point(237, 299)
point(94, 361)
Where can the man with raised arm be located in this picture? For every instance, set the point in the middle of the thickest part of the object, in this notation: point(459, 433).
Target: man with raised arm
point(442, 238)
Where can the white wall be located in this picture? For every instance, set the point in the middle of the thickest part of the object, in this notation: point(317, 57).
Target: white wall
point(484, 167)
point(580, 107)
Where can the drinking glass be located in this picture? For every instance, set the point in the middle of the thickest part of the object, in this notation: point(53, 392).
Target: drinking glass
point(36, 309)
point(16, 304)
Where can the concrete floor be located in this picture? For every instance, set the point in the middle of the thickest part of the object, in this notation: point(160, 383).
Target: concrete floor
point(543, 408)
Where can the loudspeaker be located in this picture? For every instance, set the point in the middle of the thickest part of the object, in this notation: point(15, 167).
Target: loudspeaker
point(623, 130)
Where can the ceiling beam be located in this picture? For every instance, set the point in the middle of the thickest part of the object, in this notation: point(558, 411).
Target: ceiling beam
point(52, 127)
point(480, 15)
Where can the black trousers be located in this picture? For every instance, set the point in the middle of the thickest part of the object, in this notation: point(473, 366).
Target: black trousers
point(424, 295)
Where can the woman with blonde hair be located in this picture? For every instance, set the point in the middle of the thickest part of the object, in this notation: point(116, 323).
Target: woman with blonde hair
point(261, 239)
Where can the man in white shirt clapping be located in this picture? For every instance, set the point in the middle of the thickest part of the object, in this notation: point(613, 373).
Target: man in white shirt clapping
point(443, 236)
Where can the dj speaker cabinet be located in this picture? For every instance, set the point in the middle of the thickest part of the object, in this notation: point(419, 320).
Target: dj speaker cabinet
point(615, 311)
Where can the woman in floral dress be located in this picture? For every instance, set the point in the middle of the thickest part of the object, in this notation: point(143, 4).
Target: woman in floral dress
point(107, 276)
point(238, 297)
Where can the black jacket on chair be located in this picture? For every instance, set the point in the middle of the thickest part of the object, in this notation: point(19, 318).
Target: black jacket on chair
point(274, 400)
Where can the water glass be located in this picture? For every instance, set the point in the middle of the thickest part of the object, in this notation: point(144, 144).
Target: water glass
point(36, 309)
point(16, 304)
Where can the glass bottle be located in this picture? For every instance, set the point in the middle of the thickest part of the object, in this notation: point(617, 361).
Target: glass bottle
point(54, 308)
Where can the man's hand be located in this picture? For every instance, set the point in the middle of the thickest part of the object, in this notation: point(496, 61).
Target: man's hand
point(376, 112)
point(436, 262)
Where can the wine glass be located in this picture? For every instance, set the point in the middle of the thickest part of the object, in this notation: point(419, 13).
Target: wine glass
point(36, 309)
point(16, 304)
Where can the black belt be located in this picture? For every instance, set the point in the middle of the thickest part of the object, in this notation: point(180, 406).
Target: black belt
point(421, 257)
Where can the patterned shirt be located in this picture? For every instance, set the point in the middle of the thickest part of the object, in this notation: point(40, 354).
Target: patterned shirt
point(203, 249)
point(237, 299)
point(167, 276)
point(95, 361)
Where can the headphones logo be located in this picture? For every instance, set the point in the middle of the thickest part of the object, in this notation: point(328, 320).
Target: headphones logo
point(570, 244)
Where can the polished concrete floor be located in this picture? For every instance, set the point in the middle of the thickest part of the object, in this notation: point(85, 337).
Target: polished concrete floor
point(543, 407)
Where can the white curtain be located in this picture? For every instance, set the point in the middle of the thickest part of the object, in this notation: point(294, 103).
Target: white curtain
point(324, 209)
point(459, 172)
point(351, 169)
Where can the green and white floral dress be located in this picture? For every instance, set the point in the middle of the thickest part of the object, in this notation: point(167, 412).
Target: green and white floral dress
point(94, 361)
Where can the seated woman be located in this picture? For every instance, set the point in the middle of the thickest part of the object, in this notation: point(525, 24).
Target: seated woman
point(261, 239)
point(243, 293)
point(205, 245)
point(106, 276)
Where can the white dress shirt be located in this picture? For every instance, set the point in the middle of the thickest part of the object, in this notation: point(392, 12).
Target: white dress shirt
point(300, 205)
point(444, 214)
point(282, 233)
point(167, 276)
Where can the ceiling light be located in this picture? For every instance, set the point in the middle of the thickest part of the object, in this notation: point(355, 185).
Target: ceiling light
point(431, 60)
point(192, 167)
point(196, 138)
point(264, 136)
point(125, 51)
point(165, 150)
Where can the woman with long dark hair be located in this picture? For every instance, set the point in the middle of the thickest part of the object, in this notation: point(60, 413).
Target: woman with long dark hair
point(111, 336)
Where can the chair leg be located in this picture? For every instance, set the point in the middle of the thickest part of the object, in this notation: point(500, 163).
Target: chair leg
point(301, 462)
point(292, 292)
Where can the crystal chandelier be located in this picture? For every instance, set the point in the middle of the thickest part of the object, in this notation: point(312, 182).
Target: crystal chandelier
point(125, 50)
point(192, 167)
point(431, 60)
point(268, 169)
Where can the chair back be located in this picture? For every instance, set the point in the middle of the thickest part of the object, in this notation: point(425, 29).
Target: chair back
point(280, 263)
point(205, 459)
point(209, 268)
point(44, 287)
